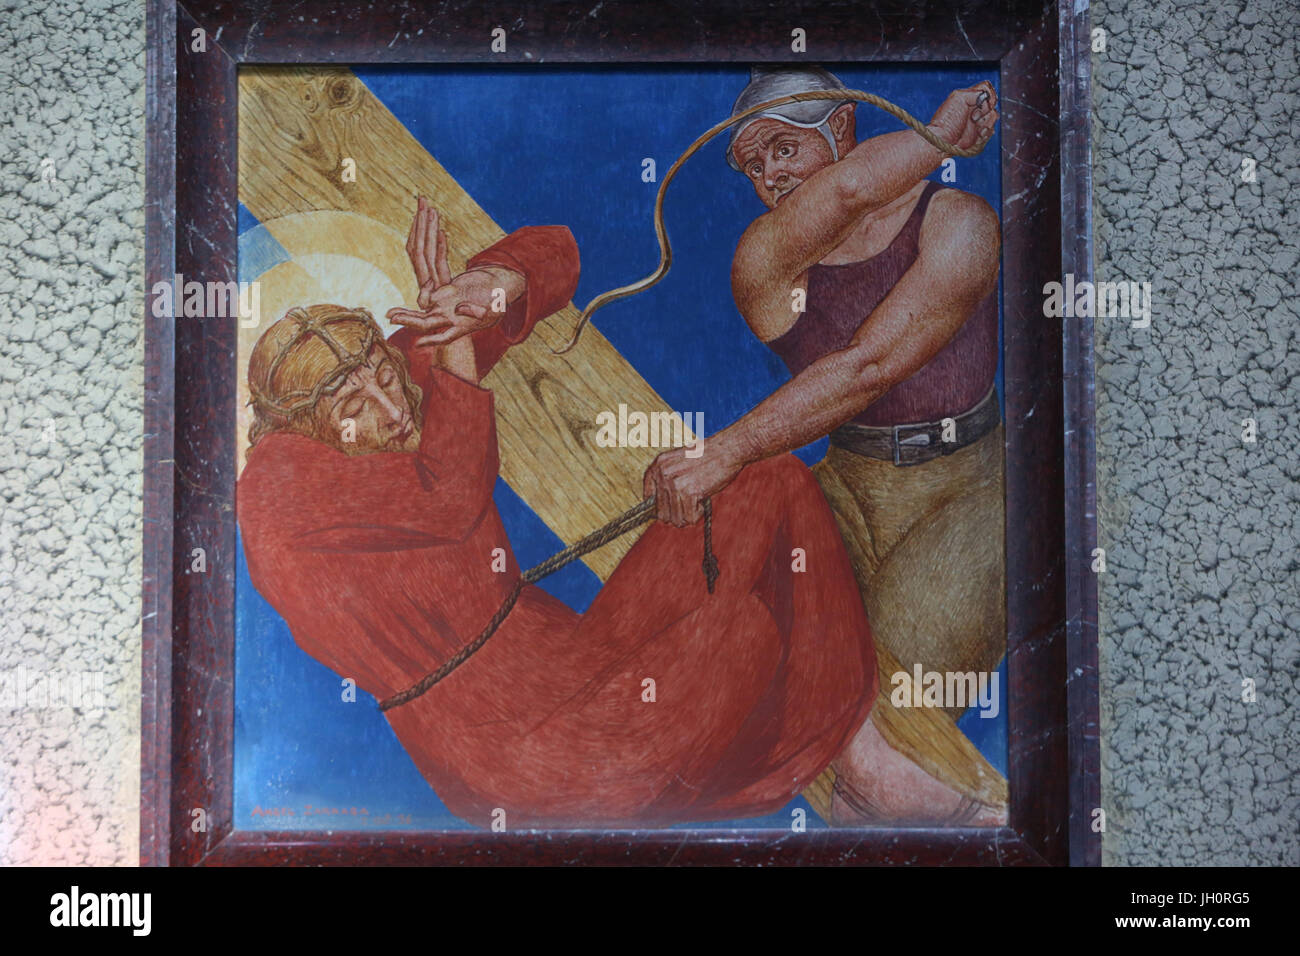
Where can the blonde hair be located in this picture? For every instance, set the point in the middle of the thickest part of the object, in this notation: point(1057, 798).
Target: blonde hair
point(306, 355)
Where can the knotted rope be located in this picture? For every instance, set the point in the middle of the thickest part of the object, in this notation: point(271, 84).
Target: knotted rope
point(620, 526)
point(665, 250)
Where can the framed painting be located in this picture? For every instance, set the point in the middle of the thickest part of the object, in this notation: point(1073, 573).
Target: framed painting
point(626, 435)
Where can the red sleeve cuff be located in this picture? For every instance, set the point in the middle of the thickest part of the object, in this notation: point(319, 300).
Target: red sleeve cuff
point(547, 258)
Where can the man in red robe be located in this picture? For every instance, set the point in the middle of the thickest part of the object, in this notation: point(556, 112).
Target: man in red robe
point(367, 517)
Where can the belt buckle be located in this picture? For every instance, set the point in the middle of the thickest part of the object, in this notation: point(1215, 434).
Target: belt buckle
point(920, 438)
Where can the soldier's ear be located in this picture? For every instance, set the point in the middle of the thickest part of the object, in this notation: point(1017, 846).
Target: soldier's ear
point(843, 122)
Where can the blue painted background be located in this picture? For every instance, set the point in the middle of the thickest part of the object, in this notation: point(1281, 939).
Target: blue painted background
point(534, 146)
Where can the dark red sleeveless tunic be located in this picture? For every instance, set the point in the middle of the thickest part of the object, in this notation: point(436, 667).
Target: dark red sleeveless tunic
point(841, 297)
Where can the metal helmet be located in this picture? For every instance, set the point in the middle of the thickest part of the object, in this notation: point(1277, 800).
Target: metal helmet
point(772, 82)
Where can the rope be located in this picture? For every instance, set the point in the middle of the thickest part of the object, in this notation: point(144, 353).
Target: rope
point(710, 561)
point(665, 250)
point(620, 526)
point(645, 510)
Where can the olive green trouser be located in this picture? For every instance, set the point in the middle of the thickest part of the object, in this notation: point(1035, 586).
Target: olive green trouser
point(927, 544)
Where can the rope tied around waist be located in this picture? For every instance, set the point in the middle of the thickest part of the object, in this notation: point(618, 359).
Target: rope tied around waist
point(632, 518)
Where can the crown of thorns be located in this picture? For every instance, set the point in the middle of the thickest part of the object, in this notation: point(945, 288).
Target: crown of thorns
point(292, 402)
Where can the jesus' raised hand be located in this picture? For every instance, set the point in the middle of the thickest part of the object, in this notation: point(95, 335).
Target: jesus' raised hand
point(450, 308)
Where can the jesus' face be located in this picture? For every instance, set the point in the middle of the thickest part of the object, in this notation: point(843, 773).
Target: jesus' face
point(369, 412)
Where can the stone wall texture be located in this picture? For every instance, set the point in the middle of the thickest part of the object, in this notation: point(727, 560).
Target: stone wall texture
point(71, 393)
point(1202, 590)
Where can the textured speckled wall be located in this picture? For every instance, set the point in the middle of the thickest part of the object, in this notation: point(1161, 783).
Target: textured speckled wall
point(71, 108)
point(1200, 528)
point(1203, 586)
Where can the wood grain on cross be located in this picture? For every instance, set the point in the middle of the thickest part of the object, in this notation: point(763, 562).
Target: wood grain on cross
point(295, 127)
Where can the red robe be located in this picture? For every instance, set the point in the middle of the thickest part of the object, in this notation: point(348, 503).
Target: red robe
point(381, 565)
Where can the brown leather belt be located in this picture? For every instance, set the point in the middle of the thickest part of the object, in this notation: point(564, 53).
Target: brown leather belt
point(916, 444)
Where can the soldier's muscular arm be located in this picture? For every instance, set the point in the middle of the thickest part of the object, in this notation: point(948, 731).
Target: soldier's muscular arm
point(822, 212)
point(957, 265)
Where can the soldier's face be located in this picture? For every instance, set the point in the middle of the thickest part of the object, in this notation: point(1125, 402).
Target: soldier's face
point(369, 412)
point(777, 157)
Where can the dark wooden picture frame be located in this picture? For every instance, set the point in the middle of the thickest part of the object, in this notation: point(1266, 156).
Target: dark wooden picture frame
point(1042, 53)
